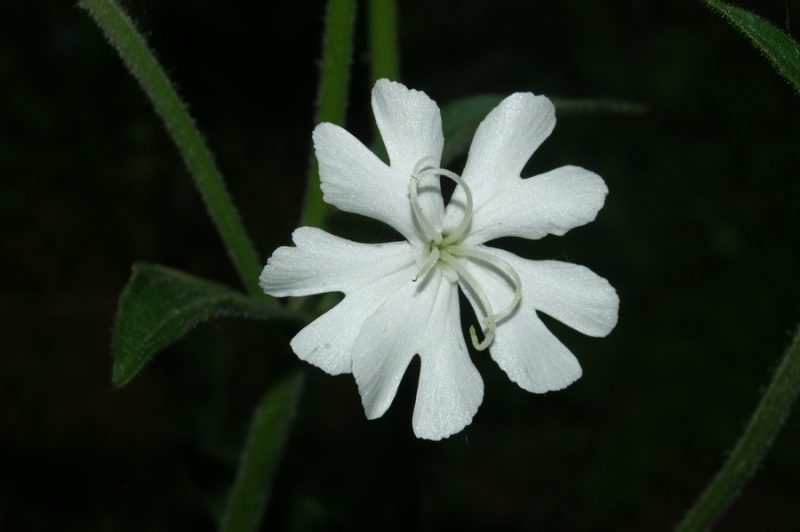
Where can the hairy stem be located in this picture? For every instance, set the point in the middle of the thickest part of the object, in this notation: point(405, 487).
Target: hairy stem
point(337, 55)
point(121, 32)
point(384, 50)
point(752, 446)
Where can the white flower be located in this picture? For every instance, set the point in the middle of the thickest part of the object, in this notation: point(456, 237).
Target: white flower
point(401, 298)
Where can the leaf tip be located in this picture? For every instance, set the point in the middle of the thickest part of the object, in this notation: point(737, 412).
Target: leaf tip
point(120, 373)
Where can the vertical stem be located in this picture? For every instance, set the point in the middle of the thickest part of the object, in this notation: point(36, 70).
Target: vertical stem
point(121, 32)
point(384, 50)
point(337, 55)
point(752, 446)
point(261, 457)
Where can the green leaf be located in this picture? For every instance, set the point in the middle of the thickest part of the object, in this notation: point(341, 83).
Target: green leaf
point(260, 457)
point(160, 305)
point(460, 118)
point(782, 51)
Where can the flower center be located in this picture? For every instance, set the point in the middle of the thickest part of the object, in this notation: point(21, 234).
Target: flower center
point(449, 249)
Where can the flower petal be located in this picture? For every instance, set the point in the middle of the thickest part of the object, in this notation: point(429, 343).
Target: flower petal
point(505, 140)
point(549, 203)
point(450, 388)
point(353, 179)
point(321, 262)
point(387, 343)
point(572, 294)
point(532, 356)
point(410, 124)
point(523, 347)
point(327, 342)
point(411, 129)
point(420, 319)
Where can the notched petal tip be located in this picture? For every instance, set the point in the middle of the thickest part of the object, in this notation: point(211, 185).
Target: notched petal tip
point(539, 386)
point(612, 313)
point(530, 99)
point(391, 88)
point(438, 433)
point(266, 280)
point(538, 109)
point(263, 279)
point(374, 400)
point(323, 132)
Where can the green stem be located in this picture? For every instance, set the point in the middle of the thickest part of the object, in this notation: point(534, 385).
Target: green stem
point(261, 457)
point(337, 55)
point(384, 51)
point(752, 446)
point(121, 32)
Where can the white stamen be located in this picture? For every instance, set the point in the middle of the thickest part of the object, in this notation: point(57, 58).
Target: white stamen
point(511, 273)
point(448, 251)
point(413, 190)
point(488, 324)
point(460, 230)
point(430, 262)
point(421, 172)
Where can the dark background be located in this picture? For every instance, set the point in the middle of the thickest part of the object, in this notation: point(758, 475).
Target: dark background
point(698, 235)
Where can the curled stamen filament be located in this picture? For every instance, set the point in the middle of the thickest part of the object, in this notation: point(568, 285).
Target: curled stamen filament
point(503, 266)
point(421, 171)
point(489, 323)
point(413, 192)
point(447, 250)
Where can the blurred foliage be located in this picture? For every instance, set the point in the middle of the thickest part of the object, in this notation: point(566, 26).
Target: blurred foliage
point(699, 236)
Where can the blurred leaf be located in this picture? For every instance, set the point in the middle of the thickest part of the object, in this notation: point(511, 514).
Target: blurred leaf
point(460, 118)
point(779, 48)
point(260, 456)
point(160, 305)
point(598, 106)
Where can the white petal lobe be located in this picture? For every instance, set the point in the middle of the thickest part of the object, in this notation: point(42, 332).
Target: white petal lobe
point(532, 356)
point(419, 319)
point(410, 125)
point(327, 342)
point(387, 343)
point(450, 388)
point(550, 203)
point(572, 294)
point(321, 262)
point(523, 347)
point(353, 179)
point(506, 139)
point(411, 128)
